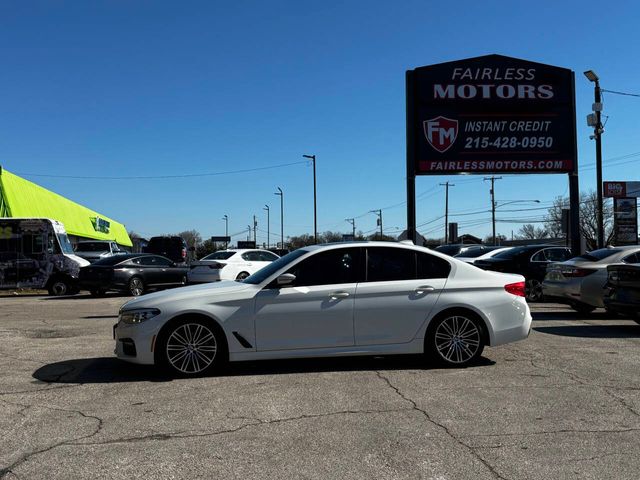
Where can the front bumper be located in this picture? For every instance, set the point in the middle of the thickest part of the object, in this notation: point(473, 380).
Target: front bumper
point(135, 343)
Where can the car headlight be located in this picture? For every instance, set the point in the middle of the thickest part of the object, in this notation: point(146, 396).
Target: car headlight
point(139, 315)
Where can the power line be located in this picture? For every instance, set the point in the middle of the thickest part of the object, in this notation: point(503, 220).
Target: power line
point(620, 93)
point(158, 177)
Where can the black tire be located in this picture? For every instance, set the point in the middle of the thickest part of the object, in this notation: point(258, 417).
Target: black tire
point(59, 286)
point(97, 292)
point(533, 290)
point(582, 308)
point(136, 286)
point(179, 357)
point(455, 339)
point(242, 275)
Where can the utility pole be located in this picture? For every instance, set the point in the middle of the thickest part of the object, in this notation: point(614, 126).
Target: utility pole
point(280, 193)
point(446, 210)
point(248, 233)
point(315, 208)
point(379, 214)
point(352, 221)
point(597, 134)
point(255, 226)
point(266, 207)
point(226, 230)
point(493, 204)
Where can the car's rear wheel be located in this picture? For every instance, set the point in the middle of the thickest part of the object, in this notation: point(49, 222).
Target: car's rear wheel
point(136, 286)
point(456, 339)
point(242, 275)
point(190, 348)
point(533, 290)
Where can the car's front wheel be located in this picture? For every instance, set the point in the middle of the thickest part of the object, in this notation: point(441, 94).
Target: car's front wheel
point(242, 275)
point(456, 339)
point(59, 286)
point(191, 347)
point(136, 286)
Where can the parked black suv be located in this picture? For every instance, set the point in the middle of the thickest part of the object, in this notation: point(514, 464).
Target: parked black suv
point(622, 290)
point(529, 261)
point(174, 248)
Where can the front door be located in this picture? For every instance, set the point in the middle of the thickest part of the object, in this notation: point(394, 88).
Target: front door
point(316, 311)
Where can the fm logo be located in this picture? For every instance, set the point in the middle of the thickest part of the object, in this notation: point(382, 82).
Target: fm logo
point(441, 132)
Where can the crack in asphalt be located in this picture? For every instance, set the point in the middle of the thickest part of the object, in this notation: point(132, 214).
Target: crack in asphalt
point(550, 432)
point(414, 406)
point(4, 472)
point(45, 389)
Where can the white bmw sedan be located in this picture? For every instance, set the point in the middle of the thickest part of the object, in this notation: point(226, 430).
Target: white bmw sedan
point(230, 264)
point(369, 298)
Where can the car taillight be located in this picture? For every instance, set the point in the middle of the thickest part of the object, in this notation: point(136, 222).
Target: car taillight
point(217, 266)
point(184, 253)
point(576, 272)
point(515, 289)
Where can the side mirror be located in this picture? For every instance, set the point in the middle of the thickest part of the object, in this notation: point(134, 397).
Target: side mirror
point(285, 279)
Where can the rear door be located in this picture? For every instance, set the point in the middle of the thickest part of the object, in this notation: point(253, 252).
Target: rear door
point(402, 286)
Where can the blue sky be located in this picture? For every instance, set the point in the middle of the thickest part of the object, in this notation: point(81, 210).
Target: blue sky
point(139, 88)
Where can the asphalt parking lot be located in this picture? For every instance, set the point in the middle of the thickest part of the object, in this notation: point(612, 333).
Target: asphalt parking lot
point(563, 404)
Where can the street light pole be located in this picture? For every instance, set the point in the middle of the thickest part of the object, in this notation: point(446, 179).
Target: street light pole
point(446, 210)
point(226, 230)
point(493, 205)
point(379, 214)
point(280, 193)
point(255, 226)
point(315, 209)
point(352, 221)
point(597, 133)
point(266, 207)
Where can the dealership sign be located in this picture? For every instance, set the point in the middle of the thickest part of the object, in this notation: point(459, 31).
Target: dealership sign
point(491, 114)
point(621, 189)
point(625, 207)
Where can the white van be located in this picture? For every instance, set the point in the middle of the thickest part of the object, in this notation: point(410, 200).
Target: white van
point(36, 253)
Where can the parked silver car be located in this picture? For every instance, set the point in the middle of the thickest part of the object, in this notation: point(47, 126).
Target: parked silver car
point(579, 281)
point(95, 250)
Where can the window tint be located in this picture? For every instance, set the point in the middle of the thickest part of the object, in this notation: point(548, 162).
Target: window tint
point(556, 254)
point(219, 256)
point(328, 268)
point(430, 266)
point(539, 257)
point(633, 258)
point(267, 256)
point(388, 264)
point(600, 254)
point(149, 261)
point(162, 262)
point(251, 257)
point(265, 272)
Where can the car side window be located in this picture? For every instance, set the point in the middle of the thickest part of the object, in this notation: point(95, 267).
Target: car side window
point(557, 254)
point(249, 257)
point(162, 262)
point(149, 261)
point(267, 257)
point(633, 258)
point(390, 264)
point(430, 266)
point(539, 257)
point(328, 268)
point(134, 261)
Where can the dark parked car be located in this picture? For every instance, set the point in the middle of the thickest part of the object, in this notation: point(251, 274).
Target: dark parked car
point(133, 273)
point(174, 248)
point(622, 290)
point(530, 261)
point(456, 249)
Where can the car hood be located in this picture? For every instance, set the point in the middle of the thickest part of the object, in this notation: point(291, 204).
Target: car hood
point(207, 292)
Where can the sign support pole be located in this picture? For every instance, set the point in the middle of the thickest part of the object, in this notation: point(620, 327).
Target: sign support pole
point(574, 189)
point(411, 167)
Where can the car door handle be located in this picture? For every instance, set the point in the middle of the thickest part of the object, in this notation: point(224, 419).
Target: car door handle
point(337, 295)
point(424, 289)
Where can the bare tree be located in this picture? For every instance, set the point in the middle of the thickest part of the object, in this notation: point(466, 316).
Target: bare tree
point(531, 232)
point(192, 237)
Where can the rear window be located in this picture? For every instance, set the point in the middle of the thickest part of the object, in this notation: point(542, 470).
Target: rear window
point(472, 253)
point(596, 255)
point(513, 253)
point(448, 249)
point(219, 256)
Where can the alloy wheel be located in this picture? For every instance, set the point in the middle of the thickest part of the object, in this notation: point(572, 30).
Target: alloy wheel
point(457, 339)
point(533, 290)
point(191, 348)
point(59, 288)
point(136, 287)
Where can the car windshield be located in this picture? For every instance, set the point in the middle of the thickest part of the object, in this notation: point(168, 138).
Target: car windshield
point(596, 255)
point(219, 256)
point(113, 260)
point(65, 244)
point(512, 253)
point(448, 249)
point(472, 253)
point(92, 247)
point(264, 273)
